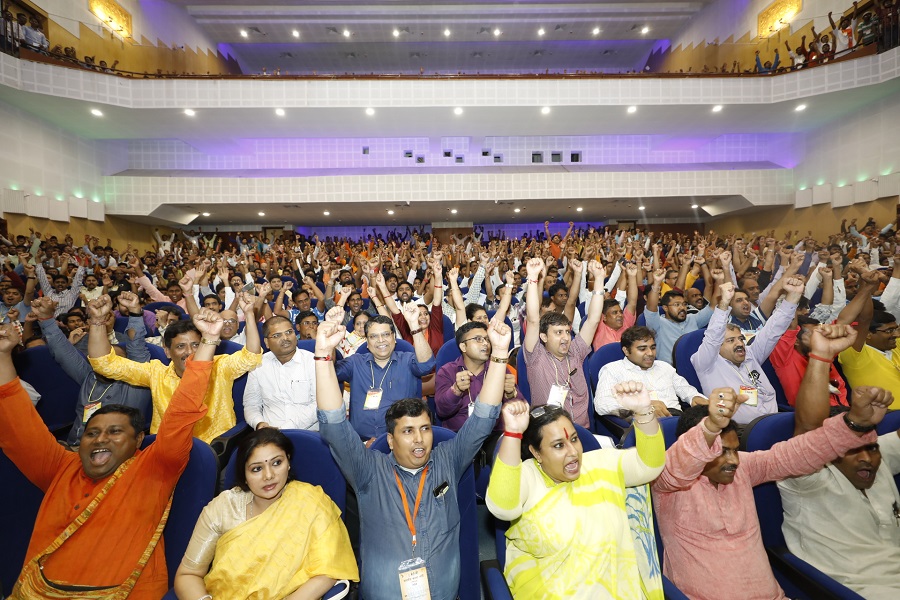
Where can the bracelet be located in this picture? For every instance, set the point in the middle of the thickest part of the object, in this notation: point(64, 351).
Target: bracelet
point(532, 280)
point(207, 342)
point(438, 287)
point(649, 413)
point(824, 360)
point(499, 360)
point(206, 597)
point(415, 331)
point(707, 429)
point(325, 358)
point(598, 293)
point(97, 322)
point(857, 428)
point(650, 420)
point(512, 434)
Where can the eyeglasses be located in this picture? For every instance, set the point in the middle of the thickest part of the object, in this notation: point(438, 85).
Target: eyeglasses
point(480, 339)
point(277, 336)
point(888, 331)
point(380, 336)
point(677, 304)
point(229, 321)
point(309, 323)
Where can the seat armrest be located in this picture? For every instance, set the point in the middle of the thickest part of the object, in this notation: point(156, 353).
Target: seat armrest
point(225, 444)
point(493, 582)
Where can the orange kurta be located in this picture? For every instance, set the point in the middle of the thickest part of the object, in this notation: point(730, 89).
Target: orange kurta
point(105, 550)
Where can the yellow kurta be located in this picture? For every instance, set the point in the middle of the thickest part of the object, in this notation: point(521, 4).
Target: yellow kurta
point(871, 367)
point(163, 381)
point(572, 539)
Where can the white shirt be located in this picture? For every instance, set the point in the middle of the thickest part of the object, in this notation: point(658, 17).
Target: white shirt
point(282, 395)
point(664, 384)
point(851, 537)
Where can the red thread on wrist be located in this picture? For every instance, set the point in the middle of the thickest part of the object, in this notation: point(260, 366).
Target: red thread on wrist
point(824, 360)
point(511, 434)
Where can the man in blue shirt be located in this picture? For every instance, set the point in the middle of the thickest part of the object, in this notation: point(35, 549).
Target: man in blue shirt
point(389, 486)
point(676, 321)
point(383, 376)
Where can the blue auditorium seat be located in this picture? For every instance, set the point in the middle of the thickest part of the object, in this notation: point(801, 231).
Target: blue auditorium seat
point(59, 392)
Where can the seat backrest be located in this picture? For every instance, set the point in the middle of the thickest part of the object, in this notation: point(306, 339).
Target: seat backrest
point(311, 463)
point(890, 424)
point(761, 434)
point(262, 338)
point(602, 356)
point(685, 347)
point(780, 397)
point(448, 353)
point(121, 324)
point(469, 579)
point(512, 341)
point(19, 504)
point(195, 489)
point(59, 392)
point(522, 370)
point(449, 329)
point(154, 306)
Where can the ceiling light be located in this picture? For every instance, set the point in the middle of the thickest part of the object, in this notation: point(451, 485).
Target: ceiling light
point(243, 33)
point(457, 111)
point(517, 210)
point(346, 33)
point(96, 112)
point(632, 109)
point(452, 211)
point(189, 112)
point(295, 33)
point(262, 214)
point(641, 207)
point(541, 31)
point(800, 107)
point(545, 110)
point(279, 112)
point(579, 209)
point(695, 206)
point(390, 212)
point(205, 214)
point(326, 213)
point(446, 33)
point(370, 111)
point(645, 30)
point(717, 108)
point(596, 31)
point(497, 32)
point(396, 33)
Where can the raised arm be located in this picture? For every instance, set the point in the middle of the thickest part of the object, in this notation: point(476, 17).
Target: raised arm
point(420, 344)
point(595, 308)
point(572, 299)
point(535, 274)
point(813, 403)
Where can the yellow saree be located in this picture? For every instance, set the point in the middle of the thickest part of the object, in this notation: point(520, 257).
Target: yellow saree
point(269, 556)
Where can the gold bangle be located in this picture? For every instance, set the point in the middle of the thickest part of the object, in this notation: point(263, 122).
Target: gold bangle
point(210, 342)
point(499, 360)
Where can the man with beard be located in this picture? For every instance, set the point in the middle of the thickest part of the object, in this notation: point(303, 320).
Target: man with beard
point(704, 496)
point(695, 301)
point(842, 519)
point(665, 386)
point(674, 322)
point(742, 312)
point(282, 391)
point(725, 360)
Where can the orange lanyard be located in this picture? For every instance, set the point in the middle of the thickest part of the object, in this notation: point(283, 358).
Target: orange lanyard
point(411, 521)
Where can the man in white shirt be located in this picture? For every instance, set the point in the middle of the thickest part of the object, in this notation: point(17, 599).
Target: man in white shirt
point(281, 392)
point(845, 518)
point(666, 386)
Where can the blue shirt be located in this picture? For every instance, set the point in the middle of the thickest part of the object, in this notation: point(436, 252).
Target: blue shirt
point(401, 378)
point(385, 540)
point(668, 331)
point(752, 323)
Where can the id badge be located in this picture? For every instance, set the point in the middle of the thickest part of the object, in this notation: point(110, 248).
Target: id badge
point(414, 580)
point(752, 395)
point(471, 408)
point(653, 395)
point(373, 399)
point(89, 410)
point(558, 395)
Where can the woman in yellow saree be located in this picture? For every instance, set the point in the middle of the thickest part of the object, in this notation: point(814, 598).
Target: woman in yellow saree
point(269, 537)
point(572, 535)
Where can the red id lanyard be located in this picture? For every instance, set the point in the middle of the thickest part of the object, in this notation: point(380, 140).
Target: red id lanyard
point(411, 520)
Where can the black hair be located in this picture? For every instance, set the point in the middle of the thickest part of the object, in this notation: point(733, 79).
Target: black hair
point(258, 438)
point(407, 407)
point(609, 304)
point(214, 297)
point(556, 287)
point(380, 320)
point(60, 276)
point(668, 296)
point(466, 328)
point(472, 309)
point(879, 318)
point(540, 417)
point(692, 416)
point(134, 415)
point(390, 276)
point(177, 328)
point(636, 334)
point(303, 314)
point(551, 319)
point(361, 313)
point(275, 319)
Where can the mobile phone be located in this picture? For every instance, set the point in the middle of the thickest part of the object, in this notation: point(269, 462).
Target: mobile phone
point(250, 288)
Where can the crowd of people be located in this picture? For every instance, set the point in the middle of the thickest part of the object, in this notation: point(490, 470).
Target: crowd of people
point(326, 327)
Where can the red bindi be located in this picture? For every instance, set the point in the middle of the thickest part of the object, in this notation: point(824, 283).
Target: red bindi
point(565, 431)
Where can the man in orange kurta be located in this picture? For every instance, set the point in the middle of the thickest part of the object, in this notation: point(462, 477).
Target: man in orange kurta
point(108, 547)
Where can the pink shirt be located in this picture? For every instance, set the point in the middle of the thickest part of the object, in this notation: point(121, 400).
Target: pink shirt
point(703, 525)
point(544, 370)
point(607, 335)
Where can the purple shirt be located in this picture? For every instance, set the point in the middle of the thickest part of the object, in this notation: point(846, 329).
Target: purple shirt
point(452, 409)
